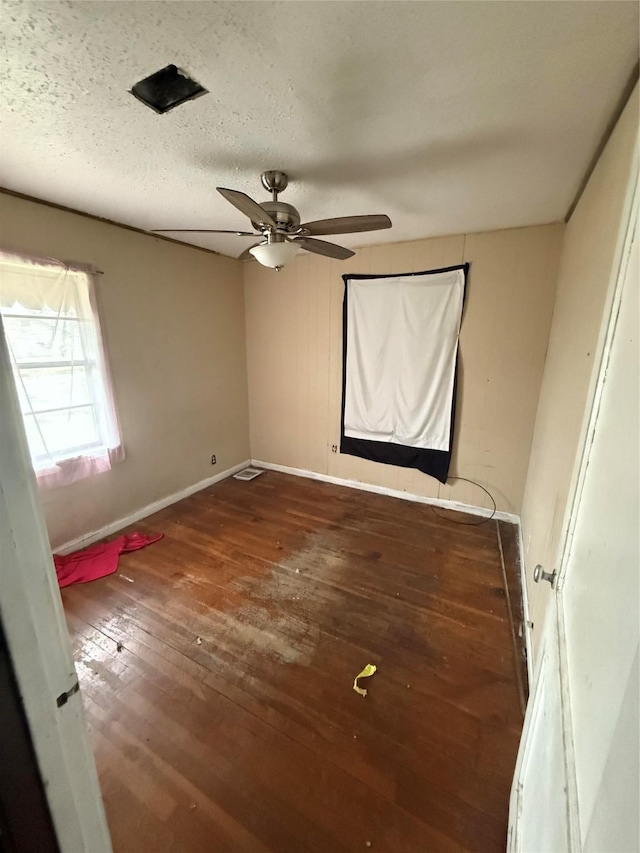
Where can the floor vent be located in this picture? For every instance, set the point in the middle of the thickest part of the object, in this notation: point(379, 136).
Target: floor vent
point(248, 474)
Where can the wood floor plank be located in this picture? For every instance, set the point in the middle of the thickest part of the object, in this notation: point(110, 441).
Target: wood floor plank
point(216, 670)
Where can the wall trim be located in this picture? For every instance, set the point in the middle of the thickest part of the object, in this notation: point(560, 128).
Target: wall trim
point(105, 221)
point(512, 623)
point(528, 637)
point(383, 490)
point(149, 509)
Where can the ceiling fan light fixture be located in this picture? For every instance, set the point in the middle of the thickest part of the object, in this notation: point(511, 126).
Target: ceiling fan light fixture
point(274, 254)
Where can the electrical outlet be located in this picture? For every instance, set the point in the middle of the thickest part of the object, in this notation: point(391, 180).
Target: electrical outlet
point(213, 459)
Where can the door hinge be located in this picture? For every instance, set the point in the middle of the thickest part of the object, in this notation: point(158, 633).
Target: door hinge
point(63, 698)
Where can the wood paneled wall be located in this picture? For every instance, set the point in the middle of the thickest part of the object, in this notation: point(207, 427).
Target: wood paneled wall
point(590, 257)
point(294, 353)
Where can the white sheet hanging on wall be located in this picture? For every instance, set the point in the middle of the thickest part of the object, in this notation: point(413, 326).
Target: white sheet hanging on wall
point(401, 346)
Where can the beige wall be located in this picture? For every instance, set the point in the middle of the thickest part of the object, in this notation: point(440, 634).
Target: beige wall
point(173, 319)
point(294, 359)
point(588, 263)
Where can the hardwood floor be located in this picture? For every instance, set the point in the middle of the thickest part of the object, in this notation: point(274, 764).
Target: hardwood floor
point(227, 722)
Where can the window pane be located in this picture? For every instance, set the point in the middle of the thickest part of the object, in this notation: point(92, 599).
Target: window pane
point(52, 388)
point(44, 339)
point(73, 428)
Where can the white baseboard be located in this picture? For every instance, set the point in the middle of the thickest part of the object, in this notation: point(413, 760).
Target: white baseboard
point(528, 639)
point(382, 490)
point(149, 509)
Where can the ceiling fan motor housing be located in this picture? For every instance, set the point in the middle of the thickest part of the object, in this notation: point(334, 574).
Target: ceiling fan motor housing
point(286, 216)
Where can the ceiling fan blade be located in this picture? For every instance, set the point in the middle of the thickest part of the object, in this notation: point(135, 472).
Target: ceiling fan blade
point(348, 224)
point(202, 231)
point(246, 255)
point(321, 247)
point(247, 206)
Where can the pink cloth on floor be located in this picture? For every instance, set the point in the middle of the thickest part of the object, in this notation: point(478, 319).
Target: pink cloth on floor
point(99, 560)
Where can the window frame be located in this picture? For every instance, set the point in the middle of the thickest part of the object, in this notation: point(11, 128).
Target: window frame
point(75, 461)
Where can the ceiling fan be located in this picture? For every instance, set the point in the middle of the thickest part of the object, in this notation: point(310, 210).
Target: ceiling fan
point(278, 225)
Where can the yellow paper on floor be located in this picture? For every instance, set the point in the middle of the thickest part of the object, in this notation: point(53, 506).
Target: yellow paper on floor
point(366, 672)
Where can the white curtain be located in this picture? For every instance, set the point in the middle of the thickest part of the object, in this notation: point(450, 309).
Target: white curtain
point(61, 372)
point(401, 346)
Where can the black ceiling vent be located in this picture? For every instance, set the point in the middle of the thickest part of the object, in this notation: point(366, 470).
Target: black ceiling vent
point(167, 88)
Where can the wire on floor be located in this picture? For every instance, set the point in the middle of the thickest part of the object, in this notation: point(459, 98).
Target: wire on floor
point(469, 523)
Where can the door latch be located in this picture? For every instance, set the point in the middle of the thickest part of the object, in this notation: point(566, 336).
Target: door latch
point(539, 574)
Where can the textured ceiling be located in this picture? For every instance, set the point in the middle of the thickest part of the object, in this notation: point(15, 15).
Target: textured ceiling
point(448, 116)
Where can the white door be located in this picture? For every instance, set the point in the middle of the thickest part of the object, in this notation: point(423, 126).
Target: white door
point(34, 627)
point(536, 824)
point(576, 785)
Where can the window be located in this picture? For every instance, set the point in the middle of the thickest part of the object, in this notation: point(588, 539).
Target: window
point(53, 336)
